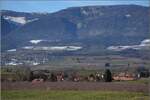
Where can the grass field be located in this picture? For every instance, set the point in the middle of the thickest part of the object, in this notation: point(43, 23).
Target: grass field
point(70, 95)
point(142, 81)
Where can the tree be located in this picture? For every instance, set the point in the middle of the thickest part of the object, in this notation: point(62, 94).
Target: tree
point(107, 76)
point(22, 73)
point(31, 77)
point(107, 64)
point(53, 77)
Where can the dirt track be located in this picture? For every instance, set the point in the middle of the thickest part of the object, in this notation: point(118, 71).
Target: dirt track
point(113, 86)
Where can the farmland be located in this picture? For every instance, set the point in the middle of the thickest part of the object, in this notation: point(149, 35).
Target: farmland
point(103, 86)
point(137, 90)
point(71, 95)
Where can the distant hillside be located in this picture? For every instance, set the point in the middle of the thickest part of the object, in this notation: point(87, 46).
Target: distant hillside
point(91, 26)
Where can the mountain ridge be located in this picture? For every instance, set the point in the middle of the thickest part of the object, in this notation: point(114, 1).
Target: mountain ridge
point(88, 25)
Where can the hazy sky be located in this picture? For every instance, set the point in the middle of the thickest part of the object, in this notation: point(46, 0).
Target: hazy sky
point(55, 5)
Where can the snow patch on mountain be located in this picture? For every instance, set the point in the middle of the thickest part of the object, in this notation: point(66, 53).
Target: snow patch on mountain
point(11, 50)
point(32, 20)
point(128, 15)
point(19, 20)
point(28, 47)
point(53, 48)
point(145, 44)
point(36, 41)
point(146, 41)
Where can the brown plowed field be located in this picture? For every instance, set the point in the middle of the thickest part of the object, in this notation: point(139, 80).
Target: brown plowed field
point(113, 86)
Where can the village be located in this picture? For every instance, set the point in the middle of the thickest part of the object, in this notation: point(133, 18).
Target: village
point(93, 77)
point(38, 76)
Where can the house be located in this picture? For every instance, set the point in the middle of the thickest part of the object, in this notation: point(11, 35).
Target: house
point(60, 76)
point(91, 78)
point(124, 76)
point(39, 80)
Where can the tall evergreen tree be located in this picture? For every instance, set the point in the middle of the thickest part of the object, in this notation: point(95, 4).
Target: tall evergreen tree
point(107, 76)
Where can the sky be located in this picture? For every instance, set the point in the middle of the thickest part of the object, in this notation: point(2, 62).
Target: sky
point(56, 5)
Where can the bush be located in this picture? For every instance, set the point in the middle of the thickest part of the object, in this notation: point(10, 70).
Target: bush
point(16, 73)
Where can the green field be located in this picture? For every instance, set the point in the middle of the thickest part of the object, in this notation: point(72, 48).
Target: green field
point(71, 95)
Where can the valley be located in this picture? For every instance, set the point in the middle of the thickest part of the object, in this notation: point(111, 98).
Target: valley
point(78, 53)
